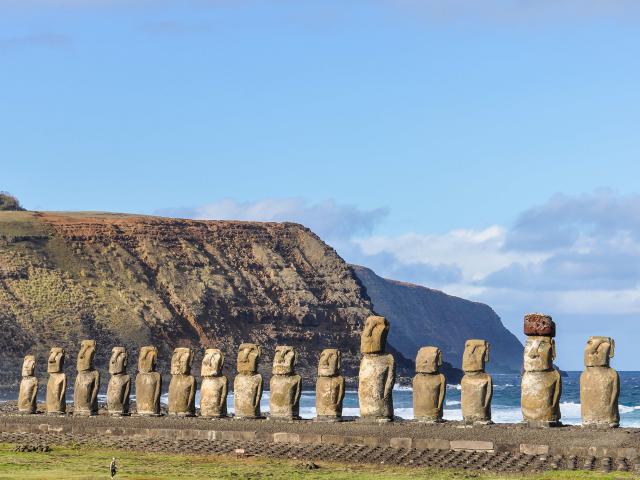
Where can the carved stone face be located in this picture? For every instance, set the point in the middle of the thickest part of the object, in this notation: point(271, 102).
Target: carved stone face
point(86, 354)
point(147, 359)
point(28, 366)
point(55, 364)
point(428, 360)
point(539, 353)
point(118, 362)
point(284, 361)
point(598, 351)
point(329, 364)
point(212, 363)
point(248, 358)
point(181, 361)
point(374, 335)
point(476, 354)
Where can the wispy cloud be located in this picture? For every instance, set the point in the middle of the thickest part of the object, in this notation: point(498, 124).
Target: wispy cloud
point(47, 40)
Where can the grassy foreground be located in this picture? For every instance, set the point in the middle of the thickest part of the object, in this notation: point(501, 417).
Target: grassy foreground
point(88, 463)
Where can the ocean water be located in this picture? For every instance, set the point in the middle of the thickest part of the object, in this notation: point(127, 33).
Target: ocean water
point(505, 404)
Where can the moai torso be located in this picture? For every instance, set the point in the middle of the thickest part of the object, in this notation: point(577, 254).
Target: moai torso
point(182, 388)
point(476, 385)
point(285, 386)
point(599, 385)
point(329, 386)
point(377, 372)
point(247, 386)
point(213, 392)
point(57, 384)
point(27, 398)
point(541, 385)
point(119, 384)
point(148, 382)
point(429, 386)
point(87, 384)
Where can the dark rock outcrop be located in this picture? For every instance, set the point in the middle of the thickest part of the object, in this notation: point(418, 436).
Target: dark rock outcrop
point(422, 316)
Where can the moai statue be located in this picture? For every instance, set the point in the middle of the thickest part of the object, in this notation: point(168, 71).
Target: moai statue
point(85, 390)
point(148, 383)
point(329, 387)
point(213, 393)
point(247, 386)
point(599, 385)
point(182, 388)
point(285, 386)
point(119, 383)
point(476, 385)
point(377, 372)
point(57, 384)
point(541, 382)
point(429, 386)
point(27, 398)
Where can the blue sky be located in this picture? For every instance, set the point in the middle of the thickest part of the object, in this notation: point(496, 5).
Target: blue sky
point(490, 151)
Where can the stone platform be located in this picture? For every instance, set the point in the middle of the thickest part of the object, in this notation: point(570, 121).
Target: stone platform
point(501, 447)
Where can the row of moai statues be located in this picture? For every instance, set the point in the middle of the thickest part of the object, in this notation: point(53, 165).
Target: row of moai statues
point(540, 390)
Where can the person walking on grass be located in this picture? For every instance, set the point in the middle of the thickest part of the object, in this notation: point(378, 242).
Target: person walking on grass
point(113, 469)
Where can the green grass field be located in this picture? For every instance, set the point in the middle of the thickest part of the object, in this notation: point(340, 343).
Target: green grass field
point(89, 463)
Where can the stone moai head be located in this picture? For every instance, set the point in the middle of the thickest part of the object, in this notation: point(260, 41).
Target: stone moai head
point(374, 335)
point(598, 351)
point(118, 362)
point(85, 355)
point(212, 363)
point(476, 354)
point(330, 361)
point(539, 354)
point(55, 364)
point(428, 360)
point(147, 359)
point(181, 361)
point(28, 366)
point(248, 358)
point(284, 360)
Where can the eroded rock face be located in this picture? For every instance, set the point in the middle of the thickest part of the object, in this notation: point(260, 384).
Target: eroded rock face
point(329, 386)
point(285, 386)
point(476, 385)
point(599, 385)
point(182, 387)
point(429, 386)
point(87, 385)
point(148, 382)
point(119, 386)
point(247, 386)
point(213, 392)
point(377, 372)
point(57, 383)
point(27, 398)
point(541, 382)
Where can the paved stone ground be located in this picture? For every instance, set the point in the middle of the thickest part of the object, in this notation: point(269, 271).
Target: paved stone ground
point(494, 462)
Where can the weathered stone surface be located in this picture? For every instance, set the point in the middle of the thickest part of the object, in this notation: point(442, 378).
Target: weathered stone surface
point(247, 386)
point(329, 386)
point(429, 386)
point(599, 385)
point(541, 383)
point(27, 398)
point(539, 325)
point(213, 392)
point(148, 382)
point(285, 386)
point(87, 384)
point(476, 386)
point(182, 387)
point(119, 386)
point(374, 335)
point(57, 383)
